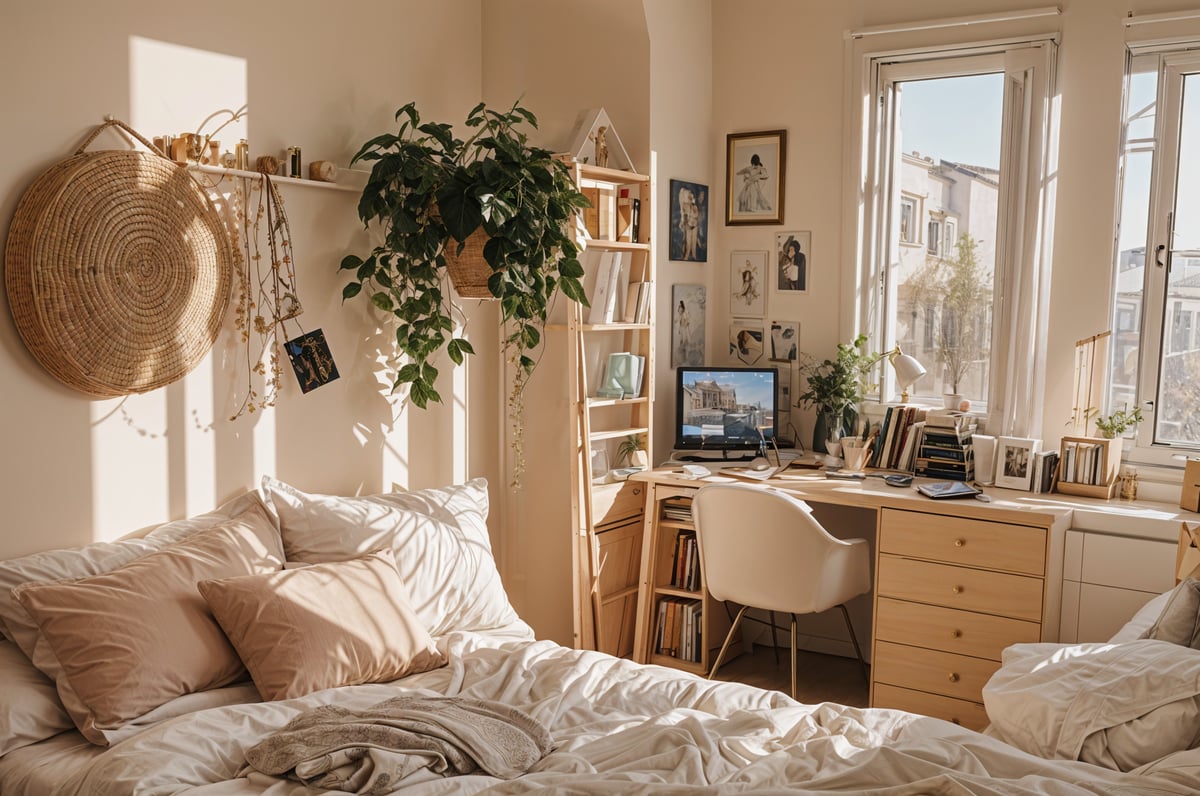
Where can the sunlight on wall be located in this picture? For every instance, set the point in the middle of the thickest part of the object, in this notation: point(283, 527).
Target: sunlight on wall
point(160, 446)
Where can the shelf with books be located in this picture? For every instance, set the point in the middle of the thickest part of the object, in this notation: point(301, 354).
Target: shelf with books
point(1089, 466)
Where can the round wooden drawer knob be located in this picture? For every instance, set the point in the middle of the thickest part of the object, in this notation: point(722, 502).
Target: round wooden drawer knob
point(957, 589)
point(953, 677)
point(960, 542)
point(956, 633)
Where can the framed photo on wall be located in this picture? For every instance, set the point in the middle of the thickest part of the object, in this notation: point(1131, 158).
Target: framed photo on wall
point(747, 290)
point(755, 168)
point(785, 341)
point(746, 340)
point(687, 325)
point(792, 273)
point(689, 222)
point(1014, 461)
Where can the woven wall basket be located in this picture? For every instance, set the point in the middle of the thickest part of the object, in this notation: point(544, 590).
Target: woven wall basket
point(469, 272)
point(118, 269)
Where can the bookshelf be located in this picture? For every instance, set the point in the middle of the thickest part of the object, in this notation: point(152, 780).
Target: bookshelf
point(1089, 466)
point(610, 373)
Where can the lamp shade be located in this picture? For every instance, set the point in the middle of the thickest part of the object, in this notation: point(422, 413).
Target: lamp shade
point(908, 370)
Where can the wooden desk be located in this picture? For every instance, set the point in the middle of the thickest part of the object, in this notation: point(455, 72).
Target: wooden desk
point(955, 581)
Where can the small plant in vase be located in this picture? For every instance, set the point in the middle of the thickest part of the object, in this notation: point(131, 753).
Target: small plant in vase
point(1115, 425)
point(835, 389)
point(633, 452)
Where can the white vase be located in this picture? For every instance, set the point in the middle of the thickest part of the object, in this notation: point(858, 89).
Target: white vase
point(639, 459)
point(951, 400)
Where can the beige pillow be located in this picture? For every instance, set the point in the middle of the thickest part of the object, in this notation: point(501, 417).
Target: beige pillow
point(122, 643)
point(322, 626)
point(1179, 622)
point(94, 559)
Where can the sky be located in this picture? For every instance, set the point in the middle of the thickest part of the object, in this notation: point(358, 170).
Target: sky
point(953, 118)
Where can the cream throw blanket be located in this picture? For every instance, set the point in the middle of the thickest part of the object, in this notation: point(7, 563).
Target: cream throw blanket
point(370, 751)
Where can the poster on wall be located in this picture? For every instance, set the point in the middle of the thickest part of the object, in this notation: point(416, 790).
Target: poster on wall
point(747, 295)
point(689, 222)
point(792, 251)
point(687, 325)
point(785, 341)
point(746, 340)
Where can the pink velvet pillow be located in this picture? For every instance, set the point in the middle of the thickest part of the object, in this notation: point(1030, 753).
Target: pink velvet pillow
point(124, 642)
point(323, 626)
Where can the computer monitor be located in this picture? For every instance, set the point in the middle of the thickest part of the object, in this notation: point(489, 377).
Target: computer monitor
point(725, 408)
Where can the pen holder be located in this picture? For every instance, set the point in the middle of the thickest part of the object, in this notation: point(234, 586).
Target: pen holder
point(854, 453)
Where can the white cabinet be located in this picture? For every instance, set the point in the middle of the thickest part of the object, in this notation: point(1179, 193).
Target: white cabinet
point(1107, 578)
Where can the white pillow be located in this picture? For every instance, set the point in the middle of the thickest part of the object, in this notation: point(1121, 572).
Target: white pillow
point(1142, 621)
point(439, 537)
point(94, 559)
point(29, 706)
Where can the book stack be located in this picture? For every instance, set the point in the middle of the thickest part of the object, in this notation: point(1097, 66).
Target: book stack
point(898, 438)
point(1045, 466)
point(607, 291)
point(677, 509)
point(679, 630)
point(1084, 463)
point(946, 450)
point(639, 297)
point(685, 563)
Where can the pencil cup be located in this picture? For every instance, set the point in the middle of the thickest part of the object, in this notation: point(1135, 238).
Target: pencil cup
point(854, 452)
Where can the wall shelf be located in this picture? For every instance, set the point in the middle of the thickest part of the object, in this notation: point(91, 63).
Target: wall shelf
point(357, 178)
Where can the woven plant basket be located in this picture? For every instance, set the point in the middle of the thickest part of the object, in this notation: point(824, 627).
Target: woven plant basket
point(469, 272)
point(118, 270)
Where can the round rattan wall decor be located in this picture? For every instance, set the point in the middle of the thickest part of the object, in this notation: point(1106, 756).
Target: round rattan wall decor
point(118, 269)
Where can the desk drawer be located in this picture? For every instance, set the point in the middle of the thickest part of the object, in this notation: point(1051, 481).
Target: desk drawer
point(612, 502)
point(944, 673)
point(998, 593)
point(958, 540)
point(967, 714)
point(951, 630)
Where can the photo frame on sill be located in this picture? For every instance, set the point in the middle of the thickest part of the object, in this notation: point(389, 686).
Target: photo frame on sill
point(755, 171)
point(747, 290)
point(1014, 461)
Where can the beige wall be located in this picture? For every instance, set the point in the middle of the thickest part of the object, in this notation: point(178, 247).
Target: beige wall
point(76, 469)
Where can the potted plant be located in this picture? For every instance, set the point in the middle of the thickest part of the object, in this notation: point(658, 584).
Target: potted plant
point(633, 451)
point(836, 388)
point(1116, 424)
point(436, 199)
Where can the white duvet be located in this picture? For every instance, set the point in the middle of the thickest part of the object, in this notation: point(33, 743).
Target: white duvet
point(619, 728)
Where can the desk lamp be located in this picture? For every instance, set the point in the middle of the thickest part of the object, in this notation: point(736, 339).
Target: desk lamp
point(907, 368)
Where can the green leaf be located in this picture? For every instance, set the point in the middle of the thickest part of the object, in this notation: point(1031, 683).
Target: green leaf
point(573, 289)
point(383, 301)
point(350, 262)
point(464, 345)
point(408, 373)
point(351, 290)
point(455, 352)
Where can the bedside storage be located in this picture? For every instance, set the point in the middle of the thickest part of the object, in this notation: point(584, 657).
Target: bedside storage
point(951, 594)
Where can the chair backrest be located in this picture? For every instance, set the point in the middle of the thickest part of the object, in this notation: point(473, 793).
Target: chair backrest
point(763, 548)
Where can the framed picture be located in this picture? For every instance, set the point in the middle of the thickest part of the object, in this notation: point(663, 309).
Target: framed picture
point(687, 325)
point(747, 291)
point(785, 340)
point(1014, 461)
point(755, 166)
point(689, 222)
point(792, 251)
point(746, 341)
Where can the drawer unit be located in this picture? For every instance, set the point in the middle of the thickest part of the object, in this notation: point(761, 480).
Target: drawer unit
point(959, 711)
point(951, 630)
point(950, 594)
point(983, 591)
point(933, 671)
point(956, 540)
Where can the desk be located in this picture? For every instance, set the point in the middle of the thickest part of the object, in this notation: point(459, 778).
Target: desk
point(955, 581)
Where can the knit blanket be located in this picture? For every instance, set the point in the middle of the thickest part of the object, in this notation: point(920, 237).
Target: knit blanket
point(370, 751)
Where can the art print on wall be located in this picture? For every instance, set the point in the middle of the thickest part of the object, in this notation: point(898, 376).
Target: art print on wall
point(785, 341)
point(747, 292)
point(1014, 461)
point(755, 166)
point(689, 222)
point(687, 325)
point(792, 251)
point(746, 341)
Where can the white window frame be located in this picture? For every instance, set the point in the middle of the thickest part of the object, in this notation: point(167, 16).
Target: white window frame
point(1175, 59)
point(1017, 377)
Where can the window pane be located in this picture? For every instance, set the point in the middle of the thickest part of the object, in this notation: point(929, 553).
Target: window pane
point(949, 132)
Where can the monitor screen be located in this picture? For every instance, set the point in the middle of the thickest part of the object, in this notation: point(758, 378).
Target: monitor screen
point(724, 408)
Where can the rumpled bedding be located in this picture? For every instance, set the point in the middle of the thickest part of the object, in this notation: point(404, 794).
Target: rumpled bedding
point(1117, 705)
point(618, 727)
point(368, 751)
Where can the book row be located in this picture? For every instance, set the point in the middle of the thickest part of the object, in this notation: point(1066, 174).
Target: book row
point(685, 562)
point(679, 629)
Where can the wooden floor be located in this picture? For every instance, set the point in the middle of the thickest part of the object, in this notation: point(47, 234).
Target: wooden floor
point(819, 677)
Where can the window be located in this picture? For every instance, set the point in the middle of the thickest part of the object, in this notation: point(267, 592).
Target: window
point(967, 128)
point(1156, 363)
point(908, 220)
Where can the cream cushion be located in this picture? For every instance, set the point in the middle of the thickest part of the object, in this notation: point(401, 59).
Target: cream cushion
point(124, 642)
point(29, 706)
point(439, 537)
point(94, 559)
point(323, 626)
point(1179, 622)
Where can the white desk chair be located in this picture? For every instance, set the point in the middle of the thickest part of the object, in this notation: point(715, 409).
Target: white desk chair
point(761, 548)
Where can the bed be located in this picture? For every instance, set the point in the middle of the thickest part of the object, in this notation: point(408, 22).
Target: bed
point(367, 643)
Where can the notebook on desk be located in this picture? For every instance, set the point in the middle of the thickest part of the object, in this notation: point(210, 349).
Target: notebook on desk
point(941, 490)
